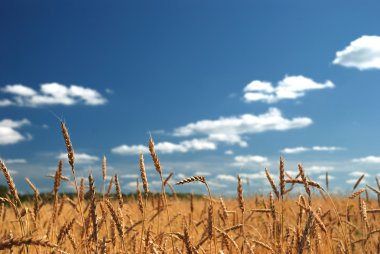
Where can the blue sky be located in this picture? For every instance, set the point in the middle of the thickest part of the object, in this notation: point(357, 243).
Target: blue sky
point(224, 88)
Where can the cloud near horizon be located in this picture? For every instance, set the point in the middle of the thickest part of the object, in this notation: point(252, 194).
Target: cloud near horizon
point(362, 53)
point(80, 158)
point(368, 159)
point(229, 130)
point(302, 149)
point(290, 88)
point(167, 147)
point(50, 94)
point(9, 133)
point(249, 160)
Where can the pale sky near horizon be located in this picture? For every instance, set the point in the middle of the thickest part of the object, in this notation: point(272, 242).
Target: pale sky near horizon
point(224, 88)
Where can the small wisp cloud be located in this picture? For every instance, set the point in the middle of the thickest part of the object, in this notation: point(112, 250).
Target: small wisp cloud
point(302, 149)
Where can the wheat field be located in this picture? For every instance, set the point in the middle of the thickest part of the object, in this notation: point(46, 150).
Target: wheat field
point(282, 221)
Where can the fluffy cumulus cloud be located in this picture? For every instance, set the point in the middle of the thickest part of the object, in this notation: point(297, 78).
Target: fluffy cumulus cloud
point(167, 147)
point(9, 133)
point(80, 158)
point(248, 160)
point(362, 53)
point(302, 149)
point(50, 94)
point(290, 88)
point(369, 159)
point(231, 129)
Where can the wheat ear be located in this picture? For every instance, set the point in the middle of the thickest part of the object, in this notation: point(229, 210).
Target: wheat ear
point(10, 182)
point(156, 162)
point(192, 179)
point(272, 184)
point(144, 179)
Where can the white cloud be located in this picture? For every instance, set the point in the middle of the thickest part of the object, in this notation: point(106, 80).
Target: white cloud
point(228, 178)
point(228, 138)
point(80, 158)
point(15, 161)
point(130, 150)
point(168, 147)
point(5, 103)
point(293, 150)
point(323, 177)
point(327, 148)
point(236, 126)
point(51, 94)
point(301, 149)
point(260, 175)
point(290, 88)
point(130, 176)
point(362, 53)
point(359, 174)
point(185, 146)
point(318, 169)
point(247, 160)
point(229, 152)
point(202, 173)
point(369, 159)
point(19, 89)
point(353, 181)
point(132, 185)
point(9, 133)
point(259, 86)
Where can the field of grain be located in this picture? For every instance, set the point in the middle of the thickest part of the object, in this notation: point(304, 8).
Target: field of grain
point(282, 221)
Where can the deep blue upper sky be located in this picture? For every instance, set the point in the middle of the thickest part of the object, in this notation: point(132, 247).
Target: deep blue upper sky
point(160, 65)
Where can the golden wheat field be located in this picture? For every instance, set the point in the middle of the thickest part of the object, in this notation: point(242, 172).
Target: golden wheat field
point(282, 221)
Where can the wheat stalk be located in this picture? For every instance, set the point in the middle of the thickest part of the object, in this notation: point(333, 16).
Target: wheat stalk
point(9, 243)
point(93, 211)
